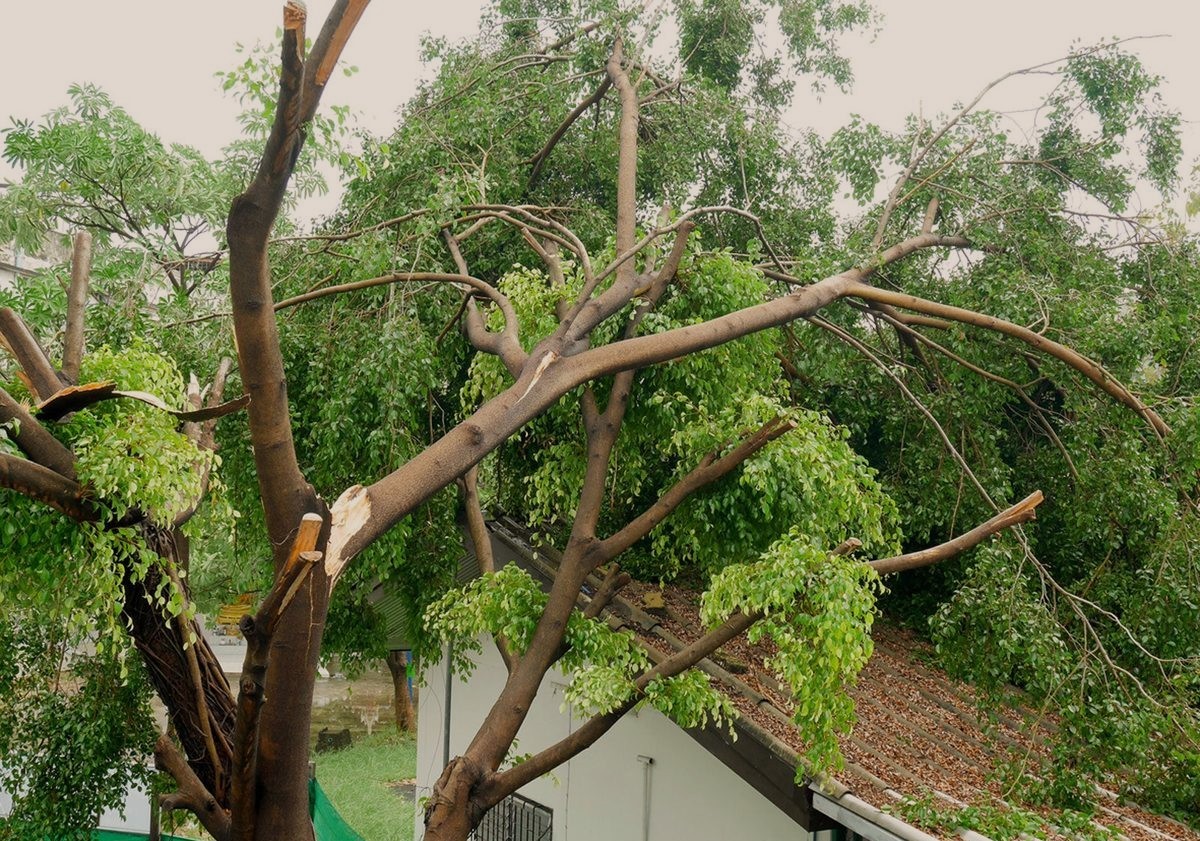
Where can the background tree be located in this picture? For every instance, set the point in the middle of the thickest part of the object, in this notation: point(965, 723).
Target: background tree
point(604, 303)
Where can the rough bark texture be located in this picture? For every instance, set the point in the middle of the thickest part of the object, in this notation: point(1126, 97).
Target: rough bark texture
point(162, 646)
point(402, 702)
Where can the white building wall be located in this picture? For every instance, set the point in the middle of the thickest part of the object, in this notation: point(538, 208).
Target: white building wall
point(599, 795)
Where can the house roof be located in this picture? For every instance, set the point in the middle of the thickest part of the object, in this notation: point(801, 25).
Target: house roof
point(920, 735)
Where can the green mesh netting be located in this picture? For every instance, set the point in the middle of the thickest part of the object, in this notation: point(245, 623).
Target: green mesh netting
point(327, 823)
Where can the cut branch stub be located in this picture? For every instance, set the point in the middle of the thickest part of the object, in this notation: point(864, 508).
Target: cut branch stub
point(73, 341)
point(39, 374)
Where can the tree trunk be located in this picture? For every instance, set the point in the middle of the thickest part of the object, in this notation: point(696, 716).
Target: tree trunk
point(283, 736)
point(452, 812)
point(406, 716)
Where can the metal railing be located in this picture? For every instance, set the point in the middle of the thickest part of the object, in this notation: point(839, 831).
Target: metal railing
point(516, 818)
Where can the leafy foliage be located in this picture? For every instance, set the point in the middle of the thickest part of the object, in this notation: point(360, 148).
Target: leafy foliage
point(70, 744)
point(818, 610)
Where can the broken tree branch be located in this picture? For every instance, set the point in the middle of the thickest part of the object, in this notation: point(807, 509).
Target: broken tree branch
point(1014, 515)
point(45, 485)
point(543, 154)
point(257, 631)
point(33, 439)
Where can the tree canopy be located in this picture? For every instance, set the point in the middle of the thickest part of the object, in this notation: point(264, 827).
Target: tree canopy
point(590, 282)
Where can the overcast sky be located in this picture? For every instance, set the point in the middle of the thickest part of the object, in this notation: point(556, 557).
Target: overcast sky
point(156, 58)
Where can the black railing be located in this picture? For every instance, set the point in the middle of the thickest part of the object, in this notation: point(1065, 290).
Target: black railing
point(516, 818)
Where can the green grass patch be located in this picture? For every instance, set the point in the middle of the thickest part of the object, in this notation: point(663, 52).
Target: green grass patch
point(360, 782)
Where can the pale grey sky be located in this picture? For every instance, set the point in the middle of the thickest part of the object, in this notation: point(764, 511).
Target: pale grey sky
point(156, 58)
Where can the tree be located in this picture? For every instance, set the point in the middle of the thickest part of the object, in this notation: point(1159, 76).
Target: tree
point(566, 352)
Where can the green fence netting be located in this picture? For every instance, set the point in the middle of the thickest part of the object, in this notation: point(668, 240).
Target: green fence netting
point(327, 823)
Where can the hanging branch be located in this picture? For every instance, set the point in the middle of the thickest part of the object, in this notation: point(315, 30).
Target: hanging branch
point(193, 666)
point(1038, 411)
point(1094, 372)
point(554, 368)
point(496, 786)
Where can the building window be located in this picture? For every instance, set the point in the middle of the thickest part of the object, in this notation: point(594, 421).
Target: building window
point(516, 818)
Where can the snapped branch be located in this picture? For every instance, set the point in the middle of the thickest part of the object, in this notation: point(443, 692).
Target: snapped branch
point(1014, 515)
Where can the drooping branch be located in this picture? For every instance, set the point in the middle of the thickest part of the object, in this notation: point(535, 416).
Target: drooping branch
point(475, 283)
point(1038, 412)
point(543, 154)
point(208, 730)
point(887, 371)
point(1014, 515)
point(353, 234)
point(392, 497)
point(1094, 372)
point(496, 786)
point(77, 292)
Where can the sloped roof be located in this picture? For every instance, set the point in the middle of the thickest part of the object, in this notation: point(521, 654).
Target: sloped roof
point(919, 734)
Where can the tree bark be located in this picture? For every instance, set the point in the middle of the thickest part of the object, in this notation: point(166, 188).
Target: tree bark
point(161, 644)
point(406, 716)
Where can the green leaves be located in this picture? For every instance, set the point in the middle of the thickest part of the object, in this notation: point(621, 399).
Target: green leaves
point(818, 611)
point(91, 164)
point(129, 454)
point(71, 743)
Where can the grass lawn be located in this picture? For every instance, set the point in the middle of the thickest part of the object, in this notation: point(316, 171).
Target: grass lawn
point(359, 782)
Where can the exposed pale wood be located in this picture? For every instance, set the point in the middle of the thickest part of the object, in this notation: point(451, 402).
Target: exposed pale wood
point(76, 397)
